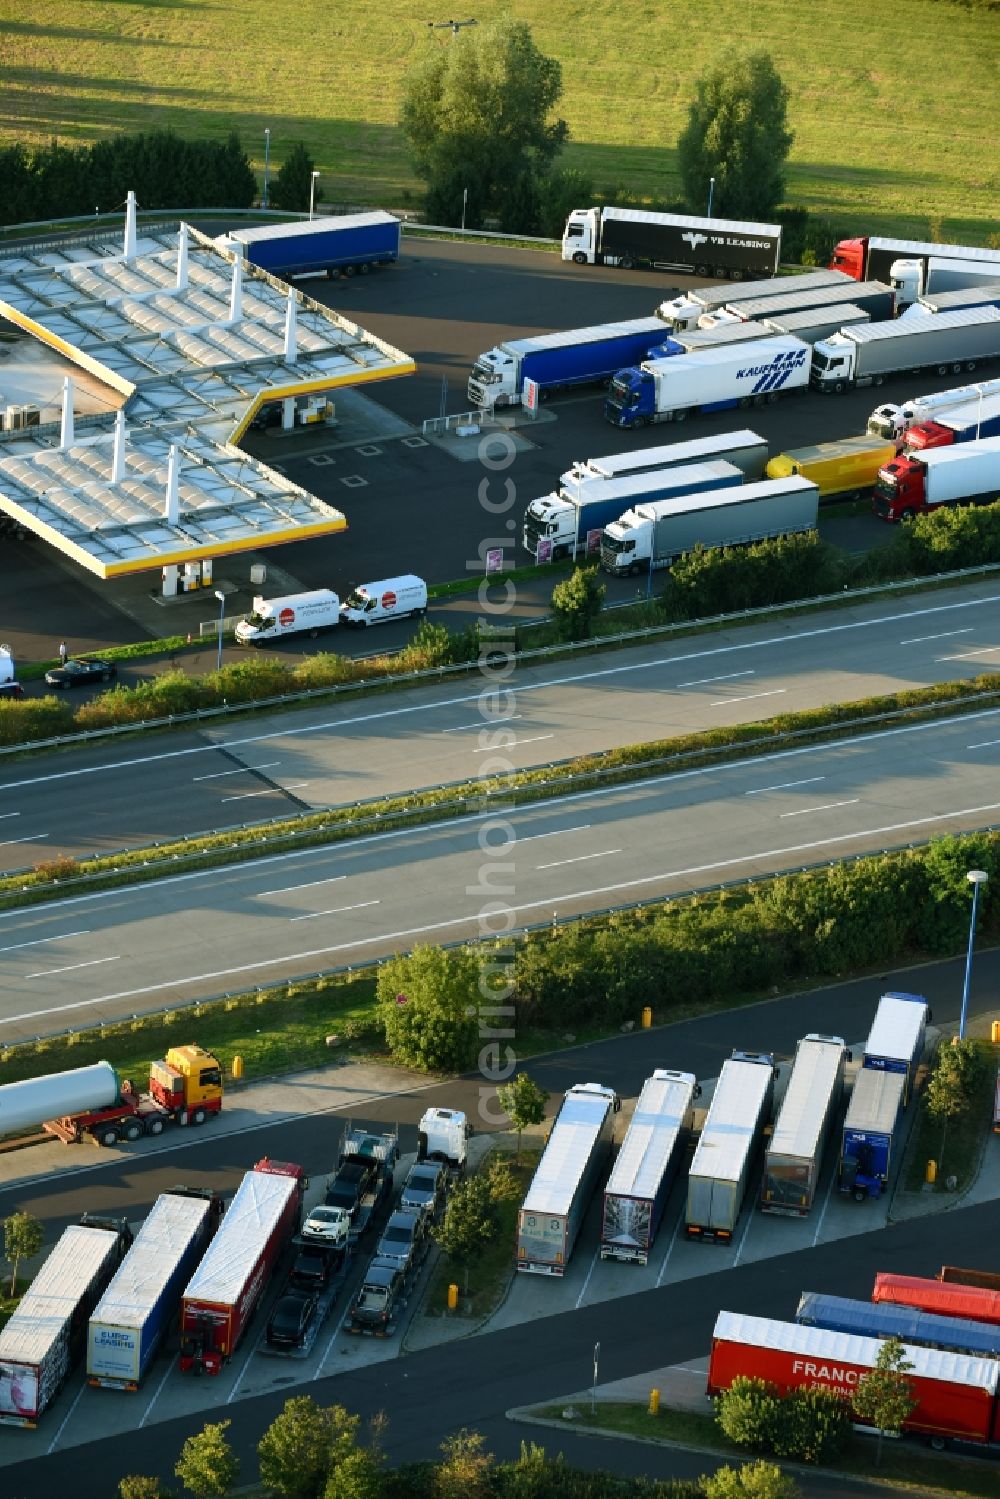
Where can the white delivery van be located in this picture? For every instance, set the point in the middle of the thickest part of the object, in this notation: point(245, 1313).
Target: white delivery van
point(9, 685)
point(392, 598)
point(297, 614)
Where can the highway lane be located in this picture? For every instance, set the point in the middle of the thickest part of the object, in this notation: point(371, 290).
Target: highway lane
point(114, 795)
point(195, 935)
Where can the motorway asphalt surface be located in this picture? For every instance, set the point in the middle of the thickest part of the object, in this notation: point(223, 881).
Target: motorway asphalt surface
point(472, 1383)
point(418, 509)
point(114, 795)
point(198, 935)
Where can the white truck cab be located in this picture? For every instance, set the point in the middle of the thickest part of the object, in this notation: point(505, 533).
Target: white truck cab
point(390, 598)
point(443, 1135)
point(9, 686)
point(580, 236)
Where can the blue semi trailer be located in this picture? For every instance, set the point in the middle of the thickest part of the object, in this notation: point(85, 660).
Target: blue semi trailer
point(555, 361)
point(896, 1040)
point(345, 244)
point(869, 1134)
point(884, 1319)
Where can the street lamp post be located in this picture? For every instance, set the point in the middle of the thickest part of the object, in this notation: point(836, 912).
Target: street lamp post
point(465, 199)
point(975, 877)
point(222, 621)
point(267, 163)
point(711, 194)
point(312, 193)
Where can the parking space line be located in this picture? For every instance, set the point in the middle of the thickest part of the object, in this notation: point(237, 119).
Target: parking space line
point(579, 1299)
point(670, 1248)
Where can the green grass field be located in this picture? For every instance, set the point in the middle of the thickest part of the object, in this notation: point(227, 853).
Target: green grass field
point(894, 110)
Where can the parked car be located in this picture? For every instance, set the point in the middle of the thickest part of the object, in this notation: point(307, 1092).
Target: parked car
point(377, 1299)
point(402, 1237)
point(424, 1188)
point(291, 1318)
point(80, 671)
point(351, 1182)
point(313, 1266)
point(329, 1225)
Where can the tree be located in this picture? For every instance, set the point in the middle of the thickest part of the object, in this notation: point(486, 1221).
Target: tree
point(208, 1466)
point(523, 1101)
point(737, 133)
point(504, 1185)
point(757, 1480)
point(476, 114)
point(139, 1486)
point(750, 1413)
point(23, 1237)
point(953, 1085)
point(576, 603)
point(469, 1220)
point(815, 1425)
point(292, 187)
point(464, 1471)
point(427, 1005)
point(356, 1475)
point(884, 1397)
point(303, 1444)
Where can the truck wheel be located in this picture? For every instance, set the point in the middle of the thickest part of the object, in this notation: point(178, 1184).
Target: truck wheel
point(107, 1136)
point(681, 414)
point(838, 386)
point(627, 263)
point(364, 269)
point(154, 1126)
point(907, 516)
point(198, 1116)
point(772, 396)
point(132, 1132)
point(736, 275)
point(878, 380)
point(938, 1444)
point(860, 1194)
point(758, 400)
point(942, 369)
point(744, 402)
point(633, 571)
point(701, 270)
point(579, 258)
point(349, 270)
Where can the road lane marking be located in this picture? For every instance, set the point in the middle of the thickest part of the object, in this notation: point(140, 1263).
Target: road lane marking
point(983, 744)
point(556, 833)
point(72, 967)
point(579, 1299)
point(580, 859)
point(784, 785)
point(337, 910)
point(726, 677)
point(493, 748)
point(670, 1249)
point(34, 838)
point(986, 650)
point(825, 807)
point(309, 885)
point(245, 796)
point(706, 653)
point(5, 815)
point(545, 904)
point(484, 723)
point(724, 702)
point(40, 941)
point(945, 635)
point(244, 770)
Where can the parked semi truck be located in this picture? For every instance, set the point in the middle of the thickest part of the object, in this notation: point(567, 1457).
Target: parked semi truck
point(720, 1171)
point(847, 466)
point(914, 267)
point(816, 322)
point(693, 339)
point(943, 1298)
point(873, 297)
point(332, 245)
point(560, 526)
point(94, 1102)
point(47, 1332)
point(869, 1134)
point(969, 423)
point(746, 449)
point(955, 1395)
point(684, 310)
point(891, 420)
point(224, 1292)
point(984, 294)
point(136, 1310)
point(793, 1159)
point(572, 1163)
point(665, 390)
point(556, 361)
point(910, 485)
point(887, 1320)
point(868, 353)
point(630, 237)
point(647, 1166)
point(652, 536)
point(896, 1040)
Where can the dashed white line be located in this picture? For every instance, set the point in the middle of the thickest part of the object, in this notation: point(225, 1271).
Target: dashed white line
point(556, 833)
point(244, 770)
point(245, 796)
point(484, 723)
point(337, 910)
point(491, 748)
point(986, 650)
point(825, 807)
point(728, 676)
point(309, 885)
point(724, 702)
point(34, 838)
point(784, 785)
point(40, 941)
point(72, 967)
point(945, 635)
point(983, 744)
point(580, 859)
point(5, 815)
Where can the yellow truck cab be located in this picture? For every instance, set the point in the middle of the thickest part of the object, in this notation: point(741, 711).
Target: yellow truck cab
point(189, 1078)
point(843, 469)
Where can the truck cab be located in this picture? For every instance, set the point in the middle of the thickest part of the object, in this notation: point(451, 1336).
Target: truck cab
point(899, 490)
point(550, 519)
point(832, 364)
point(629, 401)
point(927, 435)
point(579, 241)
point(626, 545)
point(188, 1081)
point(493, 381)
point(443, 1135)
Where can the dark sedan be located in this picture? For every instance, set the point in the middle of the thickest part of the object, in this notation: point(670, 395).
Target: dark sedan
point(80, 672)
point(291, 1318)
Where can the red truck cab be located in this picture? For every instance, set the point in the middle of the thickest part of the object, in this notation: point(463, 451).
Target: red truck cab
point(899, 490)
point(926, 435)
point(849, 256)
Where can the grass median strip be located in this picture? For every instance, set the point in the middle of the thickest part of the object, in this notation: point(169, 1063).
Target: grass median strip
point(52, 878)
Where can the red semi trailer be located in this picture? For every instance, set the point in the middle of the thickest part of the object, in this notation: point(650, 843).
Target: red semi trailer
point(956, 1394)
point(944, 1298)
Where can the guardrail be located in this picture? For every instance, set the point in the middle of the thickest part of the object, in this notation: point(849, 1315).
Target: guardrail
point(436, 424)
